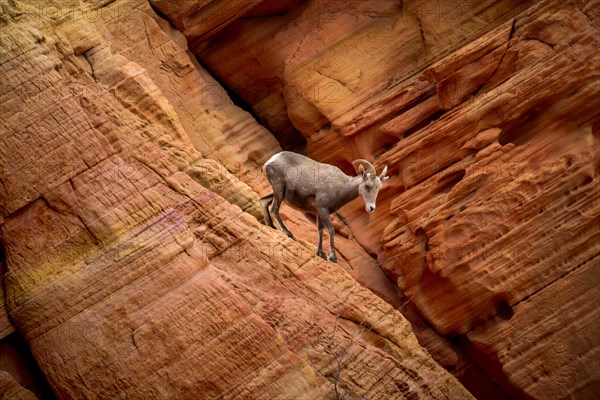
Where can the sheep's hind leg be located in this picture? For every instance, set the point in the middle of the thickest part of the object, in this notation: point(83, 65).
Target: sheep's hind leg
point(264, 204)
point(324, 218)
point(275, 210)
point(320, 227)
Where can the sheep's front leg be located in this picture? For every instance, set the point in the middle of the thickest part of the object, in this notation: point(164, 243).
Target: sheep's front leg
point(320, 227)
point(324, 218)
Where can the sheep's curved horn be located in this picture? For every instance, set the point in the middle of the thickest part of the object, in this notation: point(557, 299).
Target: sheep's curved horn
point(382, 176)
point(368, 164)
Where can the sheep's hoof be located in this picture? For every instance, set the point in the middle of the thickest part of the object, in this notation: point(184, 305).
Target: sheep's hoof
point(322, 255)
point(333, 258)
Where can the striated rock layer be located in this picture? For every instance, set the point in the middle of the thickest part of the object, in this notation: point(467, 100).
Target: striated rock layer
point(11, 390)
point(135, 265)
point(487, 114)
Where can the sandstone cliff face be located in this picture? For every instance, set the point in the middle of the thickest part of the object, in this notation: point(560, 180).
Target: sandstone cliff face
point(135, 265)
point(487, 114)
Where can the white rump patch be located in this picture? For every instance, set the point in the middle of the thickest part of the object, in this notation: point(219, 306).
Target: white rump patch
point(272, 159)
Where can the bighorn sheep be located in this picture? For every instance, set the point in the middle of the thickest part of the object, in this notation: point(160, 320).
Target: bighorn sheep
point(308, 185)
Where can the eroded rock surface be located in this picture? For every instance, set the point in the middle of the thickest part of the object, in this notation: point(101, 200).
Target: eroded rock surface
point(11, 390)
point(487, 114)
point(135, 263)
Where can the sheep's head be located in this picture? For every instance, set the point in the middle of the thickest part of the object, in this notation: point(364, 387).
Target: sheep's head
point(371, 183)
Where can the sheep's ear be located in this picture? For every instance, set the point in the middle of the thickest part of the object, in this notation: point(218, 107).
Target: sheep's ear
point(382, 177)
point(362, 171)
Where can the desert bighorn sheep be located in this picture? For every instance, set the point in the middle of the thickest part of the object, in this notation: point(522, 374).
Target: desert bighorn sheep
point(308, 185)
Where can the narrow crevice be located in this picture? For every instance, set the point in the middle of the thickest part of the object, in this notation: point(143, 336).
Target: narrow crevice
point(88, 230)
point(422, 34)
point(15, 355)
point(134, 340)
point(16, 359)
point(510, 36)
point(235, 97)
point(447, 182)
point(162, 16)
point(422, 237)
point(489, 364)
point(468, 371)
point(424, 123)
point(2, 260)
point(297, 141)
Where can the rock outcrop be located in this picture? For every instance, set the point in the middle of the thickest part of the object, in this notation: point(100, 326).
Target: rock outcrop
point(487, 114)
point(11, 390)
point(135, 262)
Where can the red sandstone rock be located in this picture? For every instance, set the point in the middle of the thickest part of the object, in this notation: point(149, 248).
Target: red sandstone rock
point(132, 267)
point(199, 20)
point(11, 390)
point(6, 328)
point(487, 116)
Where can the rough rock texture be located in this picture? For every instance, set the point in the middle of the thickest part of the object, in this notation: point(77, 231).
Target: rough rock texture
point(135, 263)
point(11, 390)
point(487, 113)
point(6, 328)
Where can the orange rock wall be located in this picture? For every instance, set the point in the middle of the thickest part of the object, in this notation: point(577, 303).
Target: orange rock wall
point(135, 262)
point(487, 115)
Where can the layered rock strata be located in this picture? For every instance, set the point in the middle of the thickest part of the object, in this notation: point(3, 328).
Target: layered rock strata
point(11, 390)
point(135, 263)
point(486, 113)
